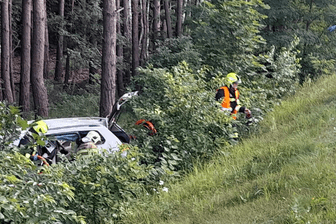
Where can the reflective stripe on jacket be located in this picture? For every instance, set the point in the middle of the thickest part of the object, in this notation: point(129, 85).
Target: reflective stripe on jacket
point(226, 103)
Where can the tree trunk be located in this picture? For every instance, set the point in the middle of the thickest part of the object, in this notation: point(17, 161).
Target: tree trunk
point(127, 32)
point(59, 54)
point(5, 52)
point(179, 17)
point(67, 69)
point(108, 81)
point(24, 99)
point(156, 21)
point(11, 52)
point(164, 28)
point(144, 32)
point(168, 19)
point(39, 91)
point(135, 36)
point(120, 70)
point(46, 48)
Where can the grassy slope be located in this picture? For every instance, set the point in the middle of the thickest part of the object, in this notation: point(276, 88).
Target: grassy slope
point(286, 174)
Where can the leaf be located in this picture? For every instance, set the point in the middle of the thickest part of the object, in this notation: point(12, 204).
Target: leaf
point(22, 123)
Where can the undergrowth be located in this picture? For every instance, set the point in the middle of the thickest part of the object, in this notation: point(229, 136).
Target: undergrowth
point(283, 174)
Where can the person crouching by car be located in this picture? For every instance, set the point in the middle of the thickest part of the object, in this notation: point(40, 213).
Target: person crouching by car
point(38, 129)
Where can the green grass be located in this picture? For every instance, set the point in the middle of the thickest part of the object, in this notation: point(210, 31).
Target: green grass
point(284, 174)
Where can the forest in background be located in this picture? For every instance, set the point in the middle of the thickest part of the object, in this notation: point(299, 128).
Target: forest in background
point(177, 60)
point(160, 33)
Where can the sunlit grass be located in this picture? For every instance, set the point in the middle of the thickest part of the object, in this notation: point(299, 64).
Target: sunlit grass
point(285, 174)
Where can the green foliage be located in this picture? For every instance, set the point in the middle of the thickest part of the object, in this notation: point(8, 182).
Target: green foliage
point(226, 33)
point(185, 114)
point(76, 101)
point(271, 77)
point(9, 120)
point(309, 21)
point(174, 50)
point(106, 183)
point(95, 188)
point(29, 194)
point(181, 105)
point(322, 66)
point(275, 76)
point(285, 174)
point(81, 28)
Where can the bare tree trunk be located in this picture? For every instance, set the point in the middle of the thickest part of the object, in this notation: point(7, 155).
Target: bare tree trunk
point(39, 91)
point(68, 72)
point(59, 54)
point(120, 70)
point(67, 69)
point(144, 32)
point(127, 32)
point(156, 21)
point(46, 48)
point(108, 81)
point(168, 19)
point(135, 37)
point(164, 28)
point(11, 52)
point(5, 52)
point(179, 17)
point(24, 100)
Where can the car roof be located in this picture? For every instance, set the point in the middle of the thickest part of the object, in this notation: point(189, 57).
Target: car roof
point(61, 123)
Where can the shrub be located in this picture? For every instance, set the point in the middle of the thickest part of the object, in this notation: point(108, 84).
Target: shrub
point(185, 114)
point(29, 194)
point(174, 50)
point(105, 183)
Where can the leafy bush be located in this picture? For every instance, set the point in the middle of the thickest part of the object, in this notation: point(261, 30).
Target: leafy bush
point(174, 50)
point(226, 33)
point(181, 105)
point(95, 188)
point(273, 77)
point(9, 124)
point(105, 183)
point(29, 194)
point(185, 114)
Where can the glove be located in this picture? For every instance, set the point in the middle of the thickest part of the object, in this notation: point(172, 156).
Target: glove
point(226, 109)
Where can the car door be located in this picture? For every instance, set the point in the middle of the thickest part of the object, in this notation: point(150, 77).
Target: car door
point(113, 117)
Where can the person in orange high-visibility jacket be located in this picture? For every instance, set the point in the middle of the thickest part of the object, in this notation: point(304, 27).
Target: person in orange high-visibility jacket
point(229, 96)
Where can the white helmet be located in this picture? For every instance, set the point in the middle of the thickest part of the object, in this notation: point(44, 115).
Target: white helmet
point(92, 136)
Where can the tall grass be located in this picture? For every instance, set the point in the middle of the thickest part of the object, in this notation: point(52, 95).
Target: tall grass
point(284, 174)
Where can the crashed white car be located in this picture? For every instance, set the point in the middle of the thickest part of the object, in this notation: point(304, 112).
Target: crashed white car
point(69, 131)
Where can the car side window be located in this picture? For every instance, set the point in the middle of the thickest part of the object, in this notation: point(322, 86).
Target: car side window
point(68, 141)
point(71, 138)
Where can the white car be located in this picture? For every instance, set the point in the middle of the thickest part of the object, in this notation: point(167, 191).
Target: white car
point(69, 131)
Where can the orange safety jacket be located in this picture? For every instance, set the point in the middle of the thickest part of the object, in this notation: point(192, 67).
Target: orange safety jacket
point(226, 103)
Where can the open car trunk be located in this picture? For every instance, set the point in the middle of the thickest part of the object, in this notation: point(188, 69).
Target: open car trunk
point(114, 115)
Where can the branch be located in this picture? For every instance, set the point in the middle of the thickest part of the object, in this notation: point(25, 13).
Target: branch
point(119, 10)
point(16, 46)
